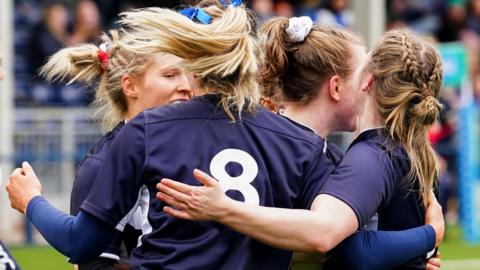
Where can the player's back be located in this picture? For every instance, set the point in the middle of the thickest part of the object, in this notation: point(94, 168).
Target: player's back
point(262, 159)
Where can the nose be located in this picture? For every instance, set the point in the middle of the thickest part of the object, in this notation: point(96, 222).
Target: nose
point(184, 87)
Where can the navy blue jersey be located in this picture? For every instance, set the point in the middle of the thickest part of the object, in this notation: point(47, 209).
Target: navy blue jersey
point(261, 159)
point(6, 260)
point(85, 175)
point(371, 178)
point(333, 153)
point(88, 168)
point(331, 150)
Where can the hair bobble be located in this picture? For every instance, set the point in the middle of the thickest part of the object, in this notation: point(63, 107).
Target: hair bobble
point(103, 56)
point(299, 28)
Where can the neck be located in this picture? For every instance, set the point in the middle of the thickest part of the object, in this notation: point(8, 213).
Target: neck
point(130, 115)
point(368, 117)
point(315, 115)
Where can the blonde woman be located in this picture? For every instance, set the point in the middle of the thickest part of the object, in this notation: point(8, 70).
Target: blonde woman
point(129, 84)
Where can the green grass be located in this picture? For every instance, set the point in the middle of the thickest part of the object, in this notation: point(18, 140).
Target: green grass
point(40, 258)
point(455, 248)
point(46, 258)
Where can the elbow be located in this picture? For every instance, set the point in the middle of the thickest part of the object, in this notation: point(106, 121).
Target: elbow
point(83, 255)
point(81, 258)
point(325, 238)
point(322, 244)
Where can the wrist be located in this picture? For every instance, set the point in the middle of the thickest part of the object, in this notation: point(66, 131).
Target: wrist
point(29, 201)
point(228, 211)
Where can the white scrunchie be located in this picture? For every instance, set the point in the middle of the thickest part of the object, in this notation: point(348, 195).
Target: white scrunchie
point(299, 28)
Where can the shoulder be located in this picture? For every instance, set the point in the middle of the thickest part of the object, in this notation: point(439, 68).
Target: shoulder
point(100, 149)
point(272, 123)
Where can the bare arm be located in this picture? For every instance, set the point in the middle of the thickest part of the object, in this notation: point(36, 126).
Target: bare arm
point(328, 222)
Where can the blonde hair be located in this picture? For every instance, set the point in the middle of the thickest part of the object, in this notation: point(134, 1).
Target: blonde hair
point(82, 64)
point(293, 71)
point(223, 54)
point(407, 74)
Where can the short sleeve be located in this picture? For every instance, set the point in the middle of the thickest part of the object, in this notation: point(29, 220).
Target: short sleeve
point(116, 188)
point(316, 174)
point(363, 180)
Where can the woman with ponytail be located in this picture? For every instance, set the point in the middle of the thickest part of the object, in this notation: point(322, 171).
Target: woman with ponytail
point(127, 84)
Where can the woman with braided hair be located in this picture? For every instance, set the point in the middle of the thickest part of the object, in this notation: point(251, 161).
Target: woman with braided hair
point(389, 169)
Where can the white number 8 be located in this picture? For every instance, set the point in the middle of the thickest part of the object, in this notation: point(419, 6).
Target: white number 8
point(239, 183)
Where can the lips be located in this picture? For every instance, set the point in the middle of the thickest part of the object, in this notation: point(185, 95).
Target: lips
point(178, 101)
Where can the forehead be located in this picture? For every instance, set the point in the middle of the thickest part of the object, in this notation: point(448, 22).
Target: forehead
point(166, 60)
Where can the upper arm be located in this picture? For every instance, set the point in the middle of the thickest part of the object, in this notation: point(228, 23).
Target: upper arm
point(338, 218)
point(363, 181)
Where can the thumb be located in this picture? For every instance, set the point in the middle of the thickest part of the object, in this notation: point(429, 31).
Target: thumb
point(27, 168)
point(204, 178)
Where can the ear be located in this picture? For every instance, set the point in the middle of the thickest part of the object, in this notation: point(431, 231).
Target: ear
point(334, 86)
point(128, 86)
point(367, 83)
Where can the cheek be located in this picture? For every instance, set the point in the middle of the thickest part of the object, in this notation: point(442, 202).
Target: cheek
point(156, 92)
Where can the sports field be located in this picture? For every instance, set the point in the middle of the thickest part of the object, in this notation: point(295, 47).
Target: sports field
point(456, 255)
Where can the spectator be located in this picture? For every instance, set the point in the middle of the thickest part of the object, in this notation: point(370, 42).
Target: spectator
point(263, 9)
point(284, 9)
point(454, 22)
point(336, 12)
point(87, 24)
point(47, 38)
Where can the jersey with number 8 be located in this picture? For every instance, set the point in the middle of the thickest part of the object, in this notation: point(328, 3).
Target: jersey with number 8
point(261, 159)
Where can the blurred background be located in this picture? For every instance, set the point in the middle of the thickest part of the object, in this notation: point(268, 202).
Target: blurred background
point(49, 124)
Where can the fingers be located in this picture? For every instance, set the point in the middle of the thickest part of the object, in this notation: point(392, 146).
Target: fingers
point(170, 201)
point(16, 172)
point(181, 187)
point(27, 168)
point(182, 197)
point(177, 213)
point(435, 262)
point(204, 178)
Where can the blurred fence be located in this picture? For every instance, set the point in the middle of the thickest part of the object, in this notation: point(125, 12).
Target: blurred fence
point(54, 141)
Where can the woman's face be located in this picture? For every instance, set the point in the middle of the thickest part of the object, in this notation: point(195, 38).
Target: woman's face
point(347, 105)
point(164, 82)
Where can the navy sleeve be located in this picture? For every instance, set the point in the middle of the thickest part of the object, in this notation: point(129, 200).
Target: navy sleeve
point(363, 180)
point(80, 238)
point(6, 260)
point(383, 249)
point(316, 173)
point(116, 188)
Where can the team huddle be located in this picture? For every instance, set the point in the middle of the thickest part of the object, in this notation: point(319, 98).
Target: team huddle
point(217, 157)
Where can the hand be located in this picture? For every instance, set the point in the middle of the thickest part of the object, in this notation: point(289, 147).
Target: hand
point(207, 202)
point(22, 186)
point(434, 263)
point(434, 217)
